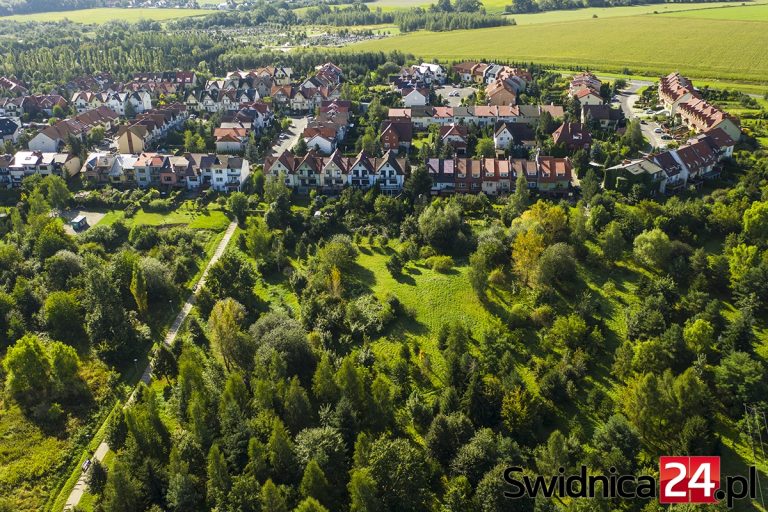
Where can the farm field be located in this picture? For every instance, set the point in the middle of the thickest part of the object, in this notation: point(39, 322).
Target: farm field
point(103, 15)
point(498, 6)
point(723, 49)
point(732, 12)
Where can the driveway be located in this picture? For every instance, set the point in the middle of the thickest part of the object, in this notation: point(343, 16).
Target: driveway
point(93, 218)
point(294, 132)
point(454, 101)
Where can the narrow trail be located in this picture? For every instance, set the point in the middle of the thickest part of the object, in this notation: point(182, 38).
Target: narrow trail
point(80, 487)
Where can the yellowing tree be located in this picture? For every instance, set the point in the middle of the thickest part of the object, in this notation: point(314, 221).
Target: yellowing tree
point(526, 250)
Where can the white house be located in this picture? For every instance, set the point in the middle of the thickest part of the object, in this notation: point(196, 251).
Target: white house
point(415, 97)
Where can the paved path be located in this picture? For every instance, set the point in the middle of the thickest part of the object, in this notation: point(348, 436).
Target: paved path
point(294, 132)
point(82, 485)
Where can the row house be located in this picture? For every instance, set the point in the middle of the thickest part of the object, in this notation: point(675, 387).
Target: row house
point(276, 75)
point(303, 100)
point(53, 138)
point(12, 107)
point(334, 172)
point(150, 127)
point(181, 79)
point(679, 96)
point(219, 100)
point(494, 176)
point(674, 90)
point(423, 117)
point(697, 160)
point(140, 101)
point(191, 171)
point(13, 169)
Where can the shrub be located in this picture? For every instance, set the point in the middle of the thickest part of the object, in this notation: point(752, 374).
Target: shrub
point(440, 264)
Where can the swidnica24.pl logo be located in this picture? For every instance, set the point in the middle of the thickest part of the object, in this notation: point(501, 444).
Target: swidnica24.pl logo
point(681, 480)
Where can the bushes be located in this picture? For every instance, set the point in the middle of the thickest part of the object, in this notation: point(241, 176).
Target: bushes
point(440, 264)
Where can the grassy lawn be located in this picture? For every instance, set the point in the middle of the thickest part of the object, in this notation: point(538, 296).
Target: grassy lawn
point(103, 15)
point(652, 45)
point(212, 217)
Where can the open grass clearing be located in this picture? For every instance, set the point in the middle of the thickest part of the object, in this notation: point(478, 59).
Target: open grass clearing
point(211, 217)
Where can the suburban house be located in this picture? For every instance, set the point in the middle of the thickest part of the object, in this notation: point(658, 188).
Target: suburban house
point(131, 139)
point(573, 136)
point(455, 135)
point(13, 86)
point(415, 97)
point(396, 135)
point(601, 115)
point(588, 97)
point(513, 136)
point(501, 92)
point(584, 81)
point(10, 128)
point(231, 137)
point(27, 163)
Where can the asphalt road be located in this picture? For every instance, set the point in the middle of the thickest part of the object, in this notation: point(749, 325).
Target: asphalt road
point(627, 99)
point(294, 132)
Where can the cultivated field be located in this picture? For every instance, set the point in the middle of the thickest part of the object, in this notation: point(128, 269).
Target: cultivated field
point(731, 12)
point(103, 15)
point(706, 48)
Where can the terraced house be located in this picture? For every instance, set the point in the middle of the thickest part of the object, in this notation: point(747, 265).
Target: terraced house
point(331, 174)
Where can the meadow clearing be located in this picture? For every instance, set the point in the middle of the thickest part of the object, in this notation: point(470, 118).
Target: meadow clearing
point(651, 44)
point(103, 15)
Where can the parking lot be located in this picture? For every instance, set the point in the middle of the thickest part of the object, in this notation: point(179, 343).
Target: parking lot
point(454, 101)
point(293, 133)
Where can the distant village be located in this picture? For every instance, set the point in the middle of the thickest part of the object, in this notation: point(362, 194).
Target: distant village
point(124, 126)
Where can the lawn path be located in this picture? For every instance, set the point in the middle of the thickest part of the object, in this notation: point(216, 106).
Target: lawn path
point(173, 331)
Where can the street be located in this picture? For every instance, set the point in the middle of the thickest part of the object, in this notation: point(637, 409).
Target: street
point(627, 99)
point(294, 132)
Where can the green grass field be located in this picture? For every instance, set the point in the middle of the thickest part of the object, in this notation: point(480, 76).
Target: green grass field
point(702, 48)
point(186, 215)
point(103, 15)
point(730, 12)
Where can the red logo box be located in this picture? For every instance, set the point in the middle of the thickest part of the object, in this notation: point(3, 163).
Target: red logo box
point(688, 479)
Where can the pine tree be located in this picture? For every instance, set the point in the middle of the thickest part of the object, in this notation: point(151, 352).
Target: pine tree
point(139, 289)
point(314, 484)
point(219, 482)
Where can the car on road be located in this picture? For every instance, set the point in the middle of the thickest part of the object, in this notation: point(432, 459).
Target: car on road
point(454, 94)
point(86, 464)
point(666, 137)
point(643, 121)
point(658, 130)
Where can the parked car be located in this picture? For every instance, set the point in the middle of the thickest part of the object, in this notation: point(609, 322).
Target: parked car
point(649, 111)
point(666, 137)
point(86, 464)
point(658, 130)
point(643, 121)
